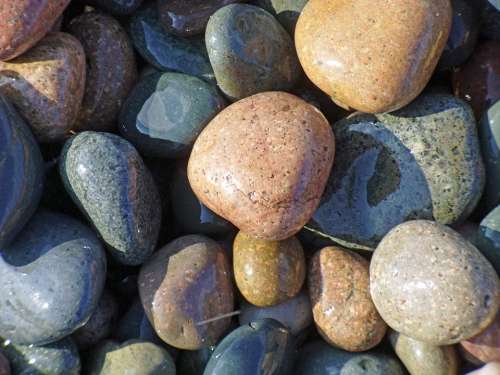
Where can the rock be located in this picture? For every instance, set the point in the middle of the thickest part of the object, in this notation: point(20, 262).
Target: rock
point(183, 286)
point(339, 288)
point(46, 84)
point(250, 52)
point(111, 69)
point(490, 27)
point(488, 238)
point(165, 113)
point(468, 230)
point(25, 22)
point(478, 80)
point(489, 369)
point(261, 347)
point(485, 347)
point(287, 12)
point(372, 56)
point(4, 365)
point(421, 358)
point(421, 162)
point(432, 285)
point(116, 7)
point(133, 357)
point(108, 180)
point(252, 164)
point(268, 272)
point(58, 358)
point(194, 362)
point(21, 173)
point(295, 314)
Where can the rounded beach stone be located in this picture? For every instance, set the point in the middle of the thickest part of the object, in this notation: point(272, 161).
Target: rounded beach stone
point(4, 365)
point(250, 51)
point(262, 163)
point(485, 347)
point(432, 285)
point(339, 288)
point(183, 286)
point(268, 272)
point(287, 12)
point(24, 22)
point(46, 84)
point(111, 69)
point(488, 238)
point(108, 180)
point(421, 358)
point(372, 56)
point(117, 7)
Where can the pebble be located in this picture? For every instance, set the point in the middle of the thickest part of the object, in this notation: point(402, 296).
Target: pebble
point(182, 286)
point(287, 12)
point(108, 180)
point(488, 238)
point(250, 52)
point(116, 7)
point(490, 27)
point(135, 325)
point(485, 347)
point(432, 285)
point(252, 164)
point(47, 84)
point(4, 365)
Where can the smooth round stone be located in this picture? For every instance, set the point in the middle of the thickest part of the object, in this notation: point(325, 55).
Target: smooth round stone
point(253, 163)
point(421, 162)
point(165, 113)
point(319, 358)
point(339, 288)
point(111, 69)
point(46, 84)
point(37, 306)
point(250, 51)
point(109, 181)
point(287, 12)
point(116, 7)
point(490, 27)
point(261, 347)
point(432, 285)
point(478, 80)
point(4, 365)
point(166, 51)
point(58, 358)
point(295, 314)
point(488, 238)
point(21, 172)
point(485, 347)
point(489, 369)
point(182, 287)
point(421, 358)
point(372, 56)
point(25, 22)
point(194, 362)
point(134, 357)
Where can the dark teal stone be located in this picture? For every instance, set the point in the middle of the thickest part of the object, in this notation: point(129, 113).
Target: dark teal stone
point(51, 279)
point(116, 7)
point(287, 12)
point(165, 51)
point(109, 181)
point(488, 238)
point(165, 113)
point(193, 362)
point(319, 358)
point(58, 358)
point(421, 162)
point(21, 173)
point(250, 51)
point(261, 347)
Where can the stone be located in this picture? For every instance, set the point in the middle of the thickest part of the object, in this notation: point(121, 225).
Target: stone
point(108, 180)
point(46, 84)
point(111, 69)
point(25, 22)
point(484, 347)
point(295, 314)
point(489, 369)
point(432, 285)
point(268, 272)
point(421, 358)
point(372, 56)
point(21, 173)
point(252, 164)
point(488, 238)
point(478, 80)
point(287, 12)
point(261, 347)
point(421, 162)
point(116, 7)
point(490, 26)
point(4, 365)
point(468, 230)
point(185, 285)
point(165, 113)
point(194, 362)
point(339, 288)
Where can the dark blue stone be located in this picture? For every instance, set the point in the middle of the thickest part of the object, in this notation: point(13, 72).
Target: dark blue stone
point(135, 325)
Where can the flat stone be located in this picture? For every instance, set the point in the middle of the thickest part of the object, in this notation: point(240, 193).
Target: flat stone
point(116, 7)
point(4, 365)
point(488, 238)
point(252, 164)
point(485, 347)
point(432, 285)
point(287, 12)
point(108, 180)
point(372, 56)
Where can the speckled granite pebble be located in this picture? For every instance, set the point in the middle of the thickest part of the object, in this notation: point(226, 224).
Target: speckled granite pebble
point(488, 238)
point(430, 284)
point(46, 84)
point(485, 347)
point(4, 365)
point(109, 181)
point(116, 7)
point(287, 12)
point(253, 164)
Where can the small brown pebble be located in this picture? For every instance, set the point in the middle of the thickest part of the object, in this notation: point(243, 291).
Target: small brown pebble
point(484, 347)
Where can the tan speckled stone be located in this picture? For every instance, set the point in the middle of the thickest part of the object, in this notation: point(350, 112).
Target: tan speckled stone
point(372, 55)
point(268, 272)
point(431, 284)
point(262, 163)
point(343, 311)
point(484, 347)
